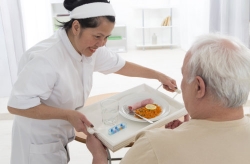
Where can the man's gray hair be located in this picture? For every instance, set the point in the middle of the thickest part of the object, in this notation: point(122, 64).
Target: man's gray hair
point(224, 65)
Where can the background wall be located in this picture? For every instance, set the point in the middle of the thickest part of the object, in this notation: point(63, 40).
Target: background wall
point(191, 19)
point(4, 68)
point(11, 43)
point(37, 21)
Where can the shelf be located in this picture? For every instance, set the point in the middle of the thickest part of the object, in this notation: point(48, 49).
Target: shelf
point(155, 20)
point(152, 7)
point(155, 27)
point(61, 15)
point(61, 19)
point(119, 25)
point(119, 45)
point(56, 1)
point(117, 42)
point(115, 38)
point(117, 49)
point(154, 45)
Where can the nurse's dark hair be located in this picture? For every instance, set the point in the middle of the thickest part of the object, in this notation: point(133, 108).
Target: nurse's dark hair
point(87, 22)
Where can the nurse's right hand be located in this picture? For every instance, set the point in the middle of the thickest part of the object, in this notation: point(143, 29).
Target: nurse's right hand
point(78, 121)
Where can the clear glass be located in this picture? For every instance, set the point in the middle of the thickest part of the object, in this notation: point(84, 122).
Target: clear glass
point(110, 111)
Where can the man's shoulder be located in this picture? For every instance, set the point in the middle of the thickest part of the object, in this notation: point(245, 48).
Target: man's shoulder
point(159, 132)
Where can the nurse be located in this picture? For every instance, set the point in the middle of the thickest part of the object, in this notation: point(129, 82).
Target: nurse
point(55, 78)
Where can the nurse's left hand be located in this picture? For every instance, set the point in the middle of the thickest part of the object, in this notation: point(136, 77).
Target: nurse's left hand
point(78, 121)
point(168, 83)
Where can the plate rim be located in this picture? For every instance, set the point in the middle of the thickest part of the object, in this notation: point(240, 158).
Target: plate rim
point(152, 96)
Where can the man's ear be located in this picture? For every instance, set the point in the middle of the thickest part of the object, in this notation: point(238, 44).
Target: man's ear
point(200, 87)
point(76, 28)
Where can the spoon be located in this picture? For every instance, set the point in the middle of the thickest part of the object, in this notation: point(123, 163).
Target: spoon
point(133, 113)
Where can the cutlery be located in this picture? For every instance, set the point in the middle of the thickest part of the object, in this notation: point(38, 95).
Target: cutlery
point(130, 112)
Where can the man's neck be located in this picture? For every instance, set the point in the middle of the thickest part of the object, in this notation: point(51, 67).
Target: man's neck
point(222, 114)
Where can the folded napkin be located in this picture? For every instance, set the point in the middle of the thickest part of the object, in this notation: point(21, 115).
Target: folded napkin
point(140, 104)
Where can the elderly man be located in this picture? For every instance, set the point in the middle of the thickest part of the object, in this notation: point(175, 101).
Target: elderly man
point(215, 85)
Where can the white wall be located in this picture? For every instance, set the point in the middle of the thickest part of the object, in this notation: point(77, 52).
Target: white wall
point(37, 21)
point(11, 44)
point(194, 20)
point(5, 82)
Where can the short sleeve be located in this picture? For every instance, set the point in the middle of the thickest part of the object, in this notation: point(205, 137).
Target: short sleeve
point(35, 81)
point(108, 61)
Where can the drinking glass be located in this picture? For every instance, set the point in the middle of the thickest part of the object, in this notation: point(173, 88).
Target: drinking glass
point(110, 111)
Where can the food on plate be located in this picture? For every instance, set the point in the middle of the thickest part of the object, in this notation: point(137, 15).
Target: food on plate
point(149, 111)
point(140, 104)
point(151, 106)
point(146, 108)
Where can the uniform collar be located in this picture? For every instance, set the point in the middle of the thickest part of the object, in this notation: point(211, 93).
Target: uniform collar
point(64, 37)
point(87, 59)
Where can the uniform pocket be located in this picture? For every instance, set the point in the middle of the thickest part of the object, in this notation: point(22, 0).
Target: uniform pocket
point(51, 153)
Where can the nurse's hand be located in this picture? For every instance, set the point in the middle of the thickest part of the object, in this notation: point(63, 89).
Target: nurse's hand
point(168, 83)
point(78, 121)
point(97, 149)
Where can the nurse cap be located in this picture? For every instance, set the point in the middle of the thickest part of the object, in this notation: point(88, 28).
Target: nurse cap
point(92, 10)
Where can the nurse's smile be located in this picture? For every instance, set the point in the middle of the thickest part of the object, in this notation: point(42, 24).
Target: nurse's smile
point(92, 49)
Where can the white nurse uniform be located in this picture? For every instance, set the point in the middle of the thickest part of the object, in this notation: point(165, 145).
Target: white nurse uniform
point(53, 73)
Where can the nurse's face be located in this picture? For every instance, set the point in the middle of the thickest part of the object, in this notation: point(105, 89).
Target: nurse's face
point(88, 40)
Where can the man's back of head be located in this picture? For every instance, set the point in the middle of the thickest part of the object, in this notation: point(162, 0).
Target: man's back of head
point(220, 65)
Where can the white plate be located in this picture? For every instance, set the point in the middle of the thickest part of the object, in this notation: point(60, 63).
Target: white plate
point(137, 97)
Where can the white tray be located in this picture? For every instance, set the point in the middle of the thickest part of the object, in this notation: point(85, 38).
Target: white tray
point(126, 136)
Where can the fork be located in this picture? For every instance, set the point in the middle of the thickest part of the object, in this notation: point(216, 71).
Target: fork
point(131, 112)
